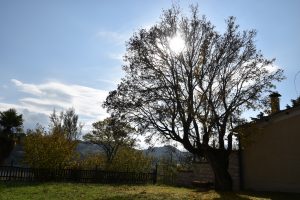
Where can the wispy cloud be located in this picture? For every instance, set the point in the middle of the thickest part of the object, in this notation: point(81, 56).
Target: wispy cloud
point(117, 56)
point(116, 37)
point(87, 101)
point(40, 100)
point(27, 88)
point(112, 82)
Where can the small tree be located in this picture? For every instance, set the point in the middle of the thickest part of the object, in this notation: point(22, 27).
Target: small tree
point(110, 134)
point(187, 82)
point(130, 159)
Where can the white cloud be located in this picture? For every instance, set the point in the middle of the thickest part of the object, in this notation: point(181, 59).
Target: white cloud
point(40, 99)
point(31, 118)
point(272, 68)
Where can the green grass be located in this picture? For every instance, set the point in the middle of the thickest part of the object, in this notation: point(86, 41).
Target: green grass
point(10, 191)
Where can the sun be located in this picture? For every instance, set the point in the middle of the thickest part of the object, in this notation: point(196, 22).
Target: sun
point(176, 43)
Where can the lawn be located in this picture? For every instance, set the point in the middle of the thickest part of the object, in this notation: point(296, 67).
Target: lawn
point(10, 191)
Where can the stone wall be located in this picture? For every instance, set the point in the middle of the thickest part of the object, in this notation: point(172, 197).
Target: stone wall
point(203, 172)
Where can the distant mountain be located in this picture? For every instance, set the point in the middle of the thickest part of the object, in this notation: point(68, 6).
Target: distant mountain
point(86, 148)
point(166, 152)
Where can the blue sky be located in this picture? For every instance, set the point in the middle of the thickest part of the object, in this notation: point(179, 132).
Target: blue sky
point(61, 54)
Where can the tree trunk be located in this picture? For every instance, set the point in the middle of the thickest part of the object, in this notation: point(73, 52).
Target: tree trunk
point(219, 161)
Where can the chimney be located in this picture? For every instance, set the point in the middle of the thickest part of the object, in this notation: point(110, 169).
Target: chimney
point(275, 104)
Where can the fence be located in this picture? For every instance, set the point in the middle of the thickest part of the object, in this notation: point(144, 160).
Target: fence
point(10, 173)
point(166, 174)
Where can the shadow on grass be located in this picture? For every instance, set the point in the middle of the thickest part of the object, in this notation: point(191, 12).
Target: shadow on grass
point(133, 197)
point(258, 195)
point(12, 184)
point(230, 195)
point(242, 195)
point(271, 195)
point(140, 196)
point(211, 194)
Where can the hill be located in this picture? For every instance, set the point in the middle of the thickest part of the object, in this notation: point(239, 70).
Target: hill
point(167, 153)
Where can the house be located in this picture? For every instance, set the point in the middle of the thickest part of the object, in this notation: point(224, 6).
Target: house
point(270, 150)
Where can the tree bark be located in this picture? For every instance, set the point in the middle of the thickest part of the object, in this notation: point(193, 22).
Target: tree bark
point(219, 161)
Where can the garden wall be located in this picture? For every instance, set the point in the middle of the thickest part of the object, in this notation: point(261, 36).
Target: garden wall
point(202, 172)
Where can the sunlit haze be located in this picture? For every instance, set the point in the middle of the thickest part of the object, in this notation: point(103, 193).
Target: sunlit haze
point(176, 43)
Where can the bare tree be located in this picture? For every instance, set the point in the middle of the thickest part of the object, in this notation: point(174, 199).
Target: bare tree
point(197, 94)
point(67, 123)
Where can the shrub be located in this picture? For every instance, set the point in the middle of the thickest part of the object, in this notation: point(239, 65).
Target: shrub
point(92, 161)
point(129, 159)
point(52, 150)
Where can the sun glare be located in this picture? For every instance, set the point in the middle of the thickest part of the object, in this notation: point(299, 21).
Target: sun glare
point(176, 43)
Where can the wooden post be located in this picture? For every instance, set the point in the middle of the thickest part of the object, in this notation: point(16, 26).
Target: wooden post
point(10, 171)
point(155, 174)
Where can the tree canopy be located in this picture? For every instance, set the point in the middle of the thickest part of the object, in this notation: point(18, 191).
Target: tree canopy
point(194, 94)
point(111, 134)
point(55, 148)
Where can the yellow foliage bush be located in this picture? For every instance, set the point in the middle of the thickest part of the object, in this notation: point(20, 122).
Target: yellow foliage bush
point(92, 161)
point(49, 150)
point(129, 159)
